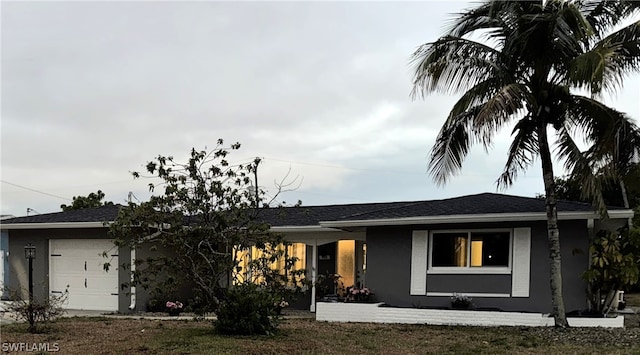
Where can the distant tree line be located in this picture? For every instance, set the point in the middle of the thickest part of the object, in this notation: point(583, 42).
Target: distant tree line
point(94, 199)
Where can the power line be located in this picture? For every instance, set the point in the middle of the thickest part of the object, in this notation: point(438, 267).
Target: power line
point(34, 190)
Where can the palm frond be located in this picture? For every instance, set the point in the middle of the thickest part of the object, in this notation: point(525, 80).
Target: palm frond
point(498, 110)
point(496, 18)
point(522, 152)
point(598, 122)
point(479, 94)
point(609, 61)
point(451, 146)
point(452, 64)
point(547, 37)
point(603, 15)
point(580, 165)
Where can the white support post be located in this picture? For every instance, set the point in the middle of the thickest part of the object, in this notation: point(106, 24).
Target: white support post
point(314, 267)
point(132, 306)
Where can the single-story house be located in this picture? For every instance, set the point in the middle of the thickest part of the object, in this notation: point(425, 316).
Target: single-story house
point(491, 247)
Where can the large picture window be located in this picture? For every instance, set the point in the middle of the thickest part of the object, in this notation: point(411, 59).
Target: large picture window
point(470, 249)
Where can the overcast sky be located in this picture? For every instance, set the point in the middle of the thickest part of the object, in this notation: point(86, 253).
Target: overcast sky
point(93, 90)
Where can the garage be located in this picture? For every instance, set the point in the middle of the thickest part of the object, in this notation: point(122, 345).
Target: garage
point(78, 264)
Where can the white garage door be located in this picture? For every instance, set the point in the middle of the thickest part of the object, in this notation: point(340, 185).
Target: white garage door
point(78, 264)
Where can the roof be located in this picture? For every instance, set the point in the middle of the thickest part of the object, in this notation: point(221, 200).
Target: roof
point(95, 214)
point(482, 205)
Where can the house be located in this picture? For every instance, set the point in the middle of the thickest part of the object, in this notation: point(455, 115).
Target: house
point(491, 247)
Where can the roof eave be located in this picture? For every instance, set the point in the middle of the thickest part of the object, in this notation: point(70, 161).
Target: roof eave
point(54, 225)
point(328, 226)
point(473, 218)
point(296, 229)
point(74, 225)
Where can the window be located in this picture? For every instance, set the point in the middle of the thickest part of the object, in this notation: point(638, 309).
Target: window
point(345, 263)
point(450, 249)
point(297, 250)
point(470, 249)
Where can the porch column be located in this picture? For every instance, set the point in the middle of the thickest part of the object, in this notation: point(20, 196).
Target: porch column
point(132, 306)
point(314, 267)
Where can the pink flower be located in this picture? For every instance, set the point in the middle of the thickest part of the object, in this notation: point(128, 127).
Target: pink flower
point(174, 305)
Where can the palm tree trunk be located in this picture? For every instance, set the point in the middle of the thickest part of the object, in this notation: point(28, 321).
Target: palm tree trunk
point(553, 233)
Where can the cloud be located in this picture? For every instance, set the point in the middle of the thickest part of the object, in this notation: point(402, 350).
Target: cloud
point(93, 90)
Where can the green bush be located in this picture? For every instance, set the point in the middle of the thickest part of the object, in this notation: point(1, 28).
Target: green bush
point(248, 309)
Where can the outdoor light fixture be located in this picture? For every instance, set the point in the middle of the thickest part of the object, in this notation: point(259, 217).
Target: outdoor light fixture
point(30, 254)
point(30, 251)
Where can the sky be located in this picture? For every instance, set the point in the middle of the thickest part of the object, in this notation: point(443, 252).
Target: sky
point(91, 91)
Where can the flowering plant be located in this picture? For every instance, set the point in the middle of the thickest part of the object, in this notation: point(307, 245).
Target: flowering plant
point(280, 305)
point(174, 305)
point(358, 294)
point(460, 301)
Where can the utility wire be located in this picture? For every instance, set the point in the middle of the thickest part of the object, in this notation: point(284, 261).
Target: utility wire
point(34, 190)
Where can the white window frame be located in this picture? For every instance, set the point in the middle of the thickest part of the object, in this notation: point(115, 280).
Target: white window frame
point(498, 270)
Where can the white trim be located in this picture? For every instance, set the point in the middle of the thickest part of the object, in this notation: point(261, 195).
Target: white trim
point(473, 218)
point(486, 270)
point(469, 269)
point(373, 313)
point(470, 294)
point(326, 225)
point(292, 229)
point(71, 225)
point(132, 258)
point(314, 272)
point(520, 279)
point(419, 257)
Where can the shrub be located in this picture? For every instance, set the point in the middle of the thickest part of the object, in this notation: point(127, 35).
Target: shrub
point(247, 310)
point(460, 301)
point(38, 313)
point(614, 266)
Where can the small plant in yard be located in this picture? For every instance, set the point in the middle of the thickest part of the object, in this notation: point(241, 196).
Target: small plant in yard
point(249, 309)
point(357, 294)
point(174, 307)
point(460, 301)
point(281, 305)
point(613, 266)
point(38, 313)
point(328, 284)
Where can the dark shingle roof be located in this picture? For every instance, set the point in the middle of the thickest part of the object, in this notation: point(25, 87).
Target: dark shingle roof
point(484, 203)
point(96, 214)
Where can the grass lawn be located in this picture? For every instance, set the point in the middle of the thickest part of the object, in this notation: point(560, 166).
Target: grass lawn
point(306, 336)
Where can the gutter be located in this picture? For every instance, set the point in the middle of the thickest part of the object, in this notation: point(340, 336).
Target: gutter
point(472, 218)
point(312, 228)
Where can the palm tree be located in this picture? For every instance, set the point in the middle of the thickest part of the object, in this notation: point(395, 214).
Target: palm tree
point(524, 63)
point(623, 159)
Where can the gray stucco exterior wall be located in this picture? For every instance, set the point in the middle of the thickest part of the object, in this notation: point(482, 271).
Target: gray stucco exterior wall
point(4, 250)
point(389, 269)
